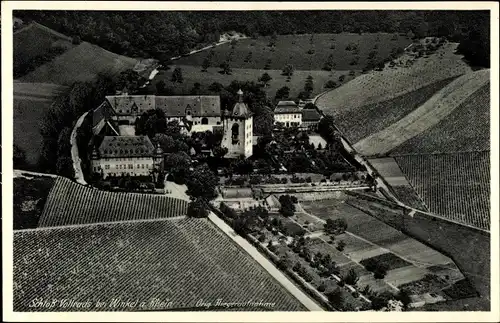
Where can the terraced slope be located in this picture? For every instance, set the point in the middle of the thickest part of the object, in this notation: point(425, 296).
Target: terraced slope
point(360, 122)
point(456, 186)
point(393, 82)
point(81, 63)
point(70, 204)
point(467, 128)
point(154, 265)
point(429, 114)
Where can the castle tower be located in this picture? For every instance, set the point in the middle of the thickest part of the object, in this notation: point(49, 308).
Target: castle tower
point(238, 132)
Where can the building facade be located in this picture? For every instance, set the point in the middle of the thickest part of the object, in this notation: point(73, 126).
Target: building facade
point(288, 114)
point(310, 118)
point(126, 156)
point(238, 130)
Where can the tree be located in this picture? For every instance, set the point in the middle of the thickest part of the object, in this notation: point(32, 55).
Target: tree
point(329, 64)
point(282, 93)
point(177, 75)
point(206, 64)
point(219, 152)
point(335, 297)
point(197, 208)
point(19, 157)
point(226, 68)
point(351, 278)
point(196, 89)
point(309, 86)
point(160, 87)
point(129, 80)
point(202, 183)
point(76, 40)
point(215, 87)
point(330, 84)
point(341, 245)
point(288, 70)
point(335, 226)
point(265, 79)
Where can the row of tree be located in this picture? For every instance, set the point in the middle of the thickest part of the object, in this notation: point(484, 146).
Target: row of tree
point(163, 34)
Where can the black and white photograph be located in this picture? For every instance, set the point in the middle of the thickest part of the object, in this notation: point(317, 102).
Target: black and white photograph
point(257, 160)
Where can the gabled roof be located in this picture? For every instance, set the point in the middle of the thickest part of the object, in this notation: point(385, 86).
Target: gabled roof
point(126, 146)
point(310, 115)
point(287, 103)
point(173, 106)
point(286, 109)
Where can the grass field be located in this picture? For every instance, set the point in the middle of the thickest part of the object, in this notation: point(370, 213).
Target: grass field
point(456, 186)
point(178, 262)
point(31, 100)
point(363, 121)
point(465, 129)
point(34, 40)
point(70, 204)
point(81, 63)
point(193, 74)
point(379, 86)
point(293, 49)
point(437, 108)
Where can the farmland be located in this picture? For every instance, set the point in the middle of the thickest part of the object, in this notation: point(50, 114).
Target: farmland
point(31, 100)
point(363, 121)
point(69, 204)
point(141, 262)
point(379, 86)
point(367, 239)
point(465, 129)
point(193, 74)
point(81, 63)
point(437, 108)
point(456, 186)
point(35, 40)
point(304, 52)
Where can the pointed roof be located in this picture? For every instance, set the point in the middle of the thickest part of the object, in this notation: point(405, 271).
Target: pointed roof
point(240, 109)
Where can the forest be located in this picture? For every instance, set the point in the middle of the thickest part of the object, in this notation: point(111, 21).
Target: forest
point(161, 34)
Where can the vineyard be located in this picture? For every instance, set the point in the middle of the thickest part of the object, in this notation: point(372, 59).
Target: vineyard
point(363, 121)
point(408, 75)
point(465, 129)
point(176, 261)
point(456, 186)
point(437, 108)
point(408, 196)
point(69, 204)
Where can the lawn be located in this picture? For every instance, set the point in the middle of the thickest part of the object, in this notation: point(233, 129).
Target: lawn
point(179, 262)
point(293, 49)
point(363, 121)
point(193, 74)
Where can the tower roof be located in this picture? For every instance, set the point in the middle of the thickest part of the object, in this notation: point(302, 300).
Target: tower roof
point(240, 109)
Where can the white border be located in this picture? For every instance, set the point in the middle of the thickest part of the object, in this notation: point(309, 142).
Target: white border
point(7, 134)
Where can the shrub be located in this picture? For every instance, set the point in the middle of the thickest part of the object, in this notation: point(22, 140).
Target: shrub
point(351, 278)
point(341, 245)
point(321, 288)
point(355, 294)
point(341, 283)
point(262, 238)
point(330, 84)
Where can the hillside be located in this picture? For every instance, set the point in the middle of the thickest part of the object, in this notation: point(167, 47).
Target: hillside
point(429, 114)
point(81, 63)
point(467, 128)
point(408, 75)
point(304, 52)
point(31, 100)
point(177, 262)
point(34, 41)
point(70, 203)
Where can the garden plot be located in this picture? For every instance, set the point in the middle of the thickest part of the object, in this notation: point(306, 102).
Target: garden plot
point(308, 222)
point(358, 249)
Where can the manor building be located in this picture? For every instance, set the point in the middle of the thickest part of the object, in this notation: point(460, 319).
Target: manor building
point(288, 114)
point(126, 156)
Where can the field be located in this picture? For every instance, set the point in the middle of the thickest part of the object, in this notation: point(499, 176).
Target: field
point(30, 195)
point(34, 40)
point(193, 74)
point(379, 86)
point(368, 238)
point(31, 100)
point(456, 186)
point(437, 108)
point(465, 129)
point(177, 262)
point(408, 196)
point(81, 63)
point(293, 49)
point(363, 121)
point(70, 204)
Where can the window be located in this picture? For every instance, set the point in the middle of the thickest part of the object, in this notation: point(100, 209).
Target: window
point(130, 166)
point(204, 120)
point(106, 166)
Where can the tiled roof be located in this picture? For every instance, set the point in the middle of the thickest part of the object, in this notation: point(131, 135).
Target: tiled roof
point(310, 115)
point(126, 146)
point(287, 103)
point(173, 106)
point(286, 109)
